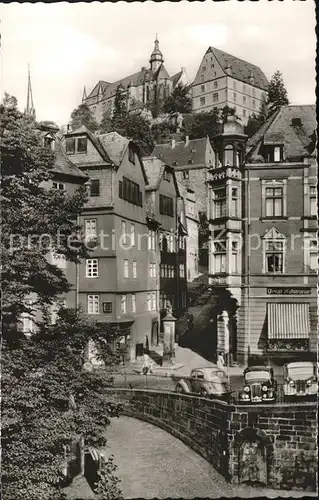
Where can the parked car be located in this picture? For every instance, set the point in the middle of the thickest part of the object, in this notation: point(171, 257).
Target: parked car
point(206, 381)
point(300, 380)
point(259, 385)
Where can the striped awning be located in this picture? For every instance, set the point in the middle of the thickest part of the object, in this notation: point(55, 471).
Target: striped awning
point(288, 321)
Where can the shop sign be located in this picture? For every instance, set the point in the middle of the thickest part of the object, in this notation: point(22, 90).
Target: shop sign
point(288, 291)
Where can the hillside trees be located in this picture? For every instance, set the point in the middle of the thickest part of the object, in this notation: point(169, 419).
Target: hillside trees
point(82, 115)
point(48, 400)
point(179, 101)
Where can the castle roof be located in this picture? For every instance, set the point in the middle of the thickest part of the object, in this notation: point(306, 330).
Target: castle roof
point(240, 69)
point(291, 126)
point(182, 154)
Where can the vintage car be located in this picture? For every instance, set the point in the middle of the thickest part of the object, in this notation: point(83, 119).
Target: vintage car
point(300, 380)
point(206, 381)
point(259, 385)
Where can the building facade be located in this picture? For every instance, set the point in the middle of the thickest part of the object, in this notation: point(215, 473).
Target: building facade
point(165, 211)
point(263, 249)
point(148, 86)
point(115, 284)
point(192, 227)
point(225, 80)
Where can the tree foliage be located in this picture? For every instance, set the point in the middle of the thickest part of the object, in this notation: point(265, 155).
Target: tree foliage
point(277, 93)
point(83, 115)
point(179, 101)
point(255, 121)
point(48, 400)
point(201, 125)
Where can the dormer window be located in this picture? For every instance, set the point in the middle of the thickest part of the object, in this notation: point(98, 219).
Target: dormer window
point(70, 145)
point(82, 145)
point(49, 142)
point(75, 145)
point(277, 153)
point(273, 153)
point(167, 175)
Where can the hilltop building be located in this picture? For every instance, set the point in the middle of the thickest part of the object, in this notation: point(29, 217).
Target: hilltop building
point(225, 80)
point(146, 86)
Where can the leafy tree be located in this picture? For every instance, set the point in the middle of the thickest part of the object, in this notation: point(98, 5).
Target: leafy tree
point(82, 115)
point(277, 93)
point(120, 111)
point(201, 125)
point(162, 132)
point(48, 400)
point(179, 101)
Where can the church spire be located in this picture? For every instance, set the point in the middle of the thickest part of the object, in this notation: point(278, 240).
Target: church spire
point(156, 58)
point(30, 106)
point(84, 96)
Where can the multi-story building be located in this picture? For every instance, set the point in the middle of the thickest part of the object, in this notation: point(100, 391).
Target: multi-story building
point(116, 284)
point(191, 160)
point(147, 86)
point(263, 223)
point(225, 80)
point(192, 227)
point(166, 213)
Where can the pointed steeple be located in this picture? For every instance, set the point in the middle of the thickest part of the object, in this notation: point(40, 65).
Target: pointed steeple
point(29, 110)
point(156, 58)
point(84, 96)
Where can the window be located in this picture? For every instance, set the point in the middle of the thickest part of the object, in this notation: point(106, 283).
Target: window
point(95, 187)
point(167, 175)
point(244, 112)
point(123, 304)
point(125, 268)
point(151, 240)
point(59, 260)
point(229, 155)
point(215, 97)
point(219, 202)
point(90, 229)
point(70, 145)
point(82, 145)
point(93, 304)
point(133, 303)
point(234, 202)
point(254, 93)
point(181, 242)
point(92, 268)
point(134, 269)
point(274, 256)
point(313, 255)
point(274, 201)
point(202, 101)
point(234, 96)
point(244, 100)
point(204, 68)
point(182, 270)
point(152, 270)
point(149, 302)
point(58, 185)
point(219, 256)
point(130, 191)
point(234, 257)
point(131, 156)
point(313, 200)
point(244, 88)
point(215, 84)
point(234, 84)
point(254, 102)
point(202, 88)
point(123, 232)
point(186, 174)
point(277, 155)
point(153, 301)
point(132, 235)
point(201, 78)
point(171, 242)
point(166, 205)
point(107, 307)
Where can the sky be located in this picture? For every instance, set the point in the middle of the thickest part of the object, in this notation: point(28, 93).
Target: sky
point(71, 45)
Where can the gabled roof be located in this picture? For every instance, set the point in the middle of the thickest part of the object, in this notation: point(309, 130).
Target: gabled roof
point(62, 164)
point(281, 128)
point(115, 146)
point(100, 85)
point(190, 155)
point(154, 169)
point(161, 72)
point(240, 69)
point(94, 139)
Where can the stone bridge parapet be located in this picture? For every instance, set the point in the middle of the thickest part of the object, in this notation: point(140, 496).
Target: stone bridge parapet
point(271, 444)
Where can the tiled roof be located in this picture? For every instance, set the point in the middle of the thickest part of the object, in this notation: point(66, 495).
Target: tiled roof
point(176, 77)
point(62, 164)
point(240, 69)
point(95, 91)
point(161, 72)
point(190, 155)
point(280, 128)
point(154, 169)
point(93, 138)
point(115, 146)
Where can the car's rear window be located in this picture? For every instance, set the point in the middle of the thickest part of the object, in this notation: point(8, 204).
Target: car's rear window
point(300, 372)
point(257, 375)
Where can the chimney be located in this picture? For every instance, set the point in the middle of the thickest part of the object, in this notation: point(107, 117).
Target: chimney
point(173, 143)
point(186, 140)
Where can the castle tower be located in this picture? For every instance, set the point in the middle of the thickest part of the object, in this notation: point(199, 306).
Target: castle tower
point(29, 110)
point(156, 58)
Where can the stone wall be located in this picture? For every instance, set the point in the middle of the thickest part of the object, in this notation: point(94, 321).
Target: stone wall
point(280, 439)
